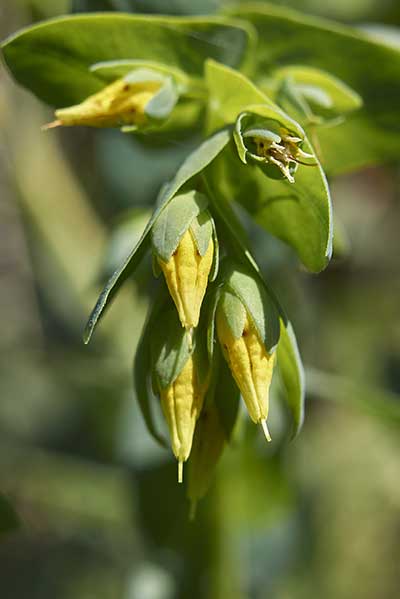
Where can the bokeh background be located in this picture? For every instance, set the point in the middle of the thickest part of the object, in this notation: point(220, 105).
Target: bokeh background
point(89, 505)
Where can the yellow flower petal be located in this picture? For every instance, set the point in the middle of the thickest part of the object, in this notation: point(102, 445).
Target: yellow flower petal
point(186, 274)
point(120, 103)
point(250, 364)
point(181, 403)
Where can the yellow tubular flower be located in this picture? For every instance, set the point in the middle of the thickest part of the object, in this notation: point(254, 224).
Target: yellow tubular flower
point(181, 404)
point(186, 274)
point(251, 367)
point(120, 103)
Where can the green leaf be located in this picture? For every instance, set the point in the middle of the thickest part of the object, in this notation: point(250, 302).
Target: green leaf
point(53, 59)
point(109, 70)
point(175, 220)
point(197, 161)
point(215, 263)
point(259, 305)
point(141, 373)
point(209, 310)
point(227, 96)
point(265, 134)
point(232, 231)
point(301, 213)
point(194, 163)
point(202, 229)
point(321, 91)
point(162, 104)
point(119, 277)
point(292, 374)
point(233, 311)
point(170, 348)
point(370, 135)
point(125, 232)
point(174, 7)
point(230, 92)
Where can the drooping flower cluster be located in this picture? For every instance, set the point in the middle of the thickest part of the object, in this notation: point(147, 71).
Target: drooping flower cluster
point(185, 248)
point(213, 329)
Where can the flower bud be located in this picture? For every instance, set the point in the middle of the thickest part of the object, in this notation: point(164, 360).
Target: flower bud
point(250, 363)
point(122, 103)
point(186, 274)
point(181, 403)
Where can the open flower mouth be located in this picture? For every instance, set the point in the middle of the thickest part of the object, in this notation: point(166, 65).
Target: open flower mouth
point(280, 149)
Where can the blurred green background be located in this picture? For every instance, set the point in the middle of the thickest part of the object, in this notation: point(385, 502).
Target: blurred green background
point(89, 505)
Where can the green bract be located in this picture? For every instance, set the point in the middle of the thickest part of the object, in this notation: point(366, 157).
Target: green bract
point(163, 102)
point(170, 348)
point(255, 299)
point(182, 212)
point(185, 247)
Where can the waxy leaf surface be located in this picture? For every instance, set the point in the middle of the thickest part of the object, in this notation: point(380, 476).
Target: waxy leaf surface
point(53, 58)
